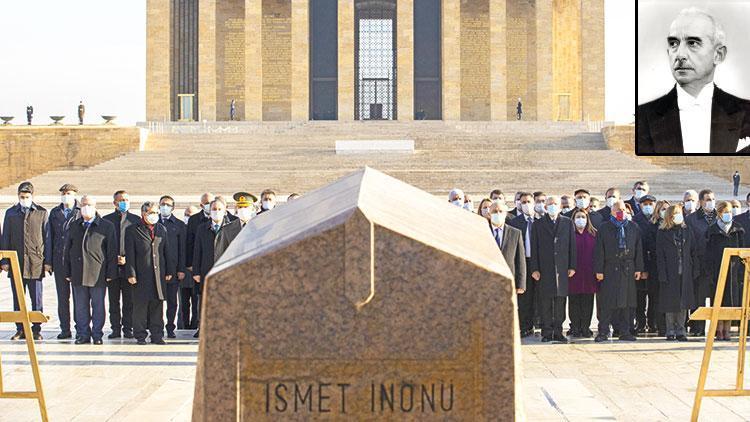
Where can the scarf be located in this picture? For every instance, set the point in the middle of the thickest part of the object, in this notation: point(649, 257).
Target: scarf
point(620, 225)
point(710, 217)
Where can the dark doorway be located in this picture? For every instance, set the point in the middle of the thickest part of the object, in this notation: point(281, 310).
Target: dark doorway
point(427, 70)
point(375, 59)
point(184, 57)
point(323, 60)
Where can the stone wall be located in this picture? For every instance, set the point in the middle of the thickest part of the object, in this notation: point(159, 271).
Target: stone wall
point(276, 48)
point(475, 60)
point(230, 57)
point(622, 138)
point(521, 56)
point(27, 151)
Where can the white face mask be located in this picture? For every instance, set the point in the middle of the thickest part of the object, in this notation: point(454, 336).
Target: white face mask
point(709, 205)
point(581, 222)
point(165, 211)
point(268, 205)
point(678, 219)
point(611, 201)
point(88, 211)
point(152, 219)
point(217, 216)
point(689, 205)
point(206, 208)
point(582, 203)
point(458, 202)
point(25, 202)
point(539, 208)
point(469, 206)
point(245, 214)
point(68, 200)
point(663, 213)
point(498, 219)
point(527, 208)
point(639, 193)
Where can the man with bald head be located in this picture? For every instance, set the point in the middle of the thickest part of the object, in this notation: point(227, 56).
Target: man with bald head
point(695, 116)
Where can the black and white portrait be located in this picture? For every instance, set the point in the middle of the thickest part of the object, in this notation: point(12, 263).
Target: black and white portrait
point(692, 93)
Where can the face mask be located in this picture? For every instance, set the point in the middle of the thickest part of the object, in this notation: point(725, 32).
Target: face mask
point(88, 211)
point(527, 208)
point(611, 201)
point(582, 203)
point(726, 217)
point(539, 208)
point(736, 211)
point(245, 214)
point(678, 219)
point(497, 219)
point(628, 216)
point(68, 200)
point(484, 211)
point(268, 205)
point(709, 205)
point(165, 210)
point(566, 210)
point(457, 202)
point(619, 215)
point(25, 202)
point(581, 222)
point(217, 216)
point(468, 206)
point(662, 213)
point(206, 208)
point(689, 205)
point(639, 193)
point(152, 219)
point(552, 209)
point(123, 206)
point(648, 209)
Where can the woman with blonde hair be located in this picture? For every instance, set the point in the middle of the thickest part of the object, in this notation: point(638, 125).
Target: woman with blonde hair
point(677, 267)
point(660, 210)
point(723, 233)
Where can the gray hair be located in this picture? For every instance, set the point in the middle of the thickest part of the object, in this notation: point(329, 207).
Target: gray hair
point(88, 199)
point(719, 36)
point(147, 206)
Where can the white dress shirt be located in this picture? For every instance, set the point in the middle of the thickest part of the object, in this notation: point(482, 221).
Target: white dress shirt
point(695, 119)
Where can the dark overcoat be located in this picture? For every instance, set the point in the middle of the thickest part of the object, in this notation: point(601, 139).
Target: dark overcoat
point(618, 289)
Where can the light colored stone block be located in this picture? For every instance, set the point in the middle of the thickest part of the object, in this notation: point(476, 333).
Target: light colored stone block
point(207, 60)
point(158, 77)
point(451, 55)
point(498, 54)
point(375, 146)
point(253, 64)
point(300, 60)
point(405, 59)
point(346, 60)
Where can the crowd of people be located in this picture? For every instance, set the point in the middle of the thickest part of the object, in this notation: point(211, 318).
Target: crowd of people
point(643, 262)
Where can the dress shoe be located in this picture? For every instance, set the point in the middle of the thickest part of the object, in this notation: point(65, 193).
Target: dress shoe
point(627, 337)
point(127, 334)
point(546, 339)
point(197, 334)
point(160, 341)
point(98, 341)
point(698, 333)
point(600, 338)
point(171, 334)
point(681, 338)
point(560, 339)
point(83, 340)
point(587, 334)
point(526, 333)
point(141, 341)
point(63, 335)
point(19, 335)
point(115, 334)
point(670, 338)
point(38, 336)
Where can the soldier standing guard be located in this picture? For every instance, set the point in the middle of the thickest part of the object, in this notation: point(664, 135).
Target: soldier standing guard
point(232, 110)
point(81, 112)
point(29, 113)
point(519, 108)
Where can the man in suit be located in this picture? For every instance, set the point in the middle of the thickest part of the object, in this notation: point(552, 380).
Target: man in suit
point(24, 231)
point(148, 268)
point(611, 197)
point(176, 233)
point(695, 116)
point(188, 309)
point(90, 264)
point(699, 222)
point(211, 240)
point(60, 218)
point(510, 241)
point(121, 318)
point(582, 200)
point(525, 222)
point(553, 261)
point(640, 189)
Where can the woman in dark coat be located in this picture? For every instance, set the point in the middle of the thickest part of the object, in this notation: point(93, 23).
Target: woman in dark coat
point(677, 266)
point(724, 234)
point(583, 285)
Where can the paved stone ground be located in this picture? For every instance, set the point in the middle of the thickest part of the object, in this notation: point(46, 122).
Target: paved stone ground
point(649, 380)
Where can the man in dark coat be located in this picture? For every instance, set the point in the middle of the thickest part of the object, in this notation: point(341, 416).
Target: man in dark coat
point(618, 263)
point(60, 218)
point(525, 222)
point(148, 266)
point(510, 241)
point(611, 196)
point(187, 317)
point(24, 231)
point(744, 220)
point(553, 261)
point(121, 319)
point(211, 240)
point(640, 189)
point(90, 263)
point(647, 313)
point(736, 183)
point(583, 203)
point(698, 222)
point(176, 230)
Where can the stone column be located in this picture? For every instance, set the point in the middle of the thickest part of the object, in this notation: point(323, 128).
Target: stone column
point(498, 66)
point(544, 59)
point(300, 60)
point(207, 60)
point(346, 60)
point(405, 59)
point(451, 66)
point(592, 59)
point(253, 61)
point(158, 52)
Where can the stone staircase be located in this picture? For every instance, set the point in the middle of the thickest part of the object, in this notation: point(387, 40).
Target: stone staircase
point(184, 160)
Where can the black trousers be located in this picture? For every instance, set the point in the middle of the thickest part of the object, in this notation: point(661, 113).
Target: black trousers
point(526, 303)
point(34, 287)
point(553, 315)
point(621, 320)
point(148, 314)
point(120, 318)
point(64, 293)
point(173, 288)
point(580, 311)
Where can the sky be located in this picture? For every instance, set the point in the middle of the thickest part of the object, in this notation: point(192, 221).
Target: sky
point(57, 53)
